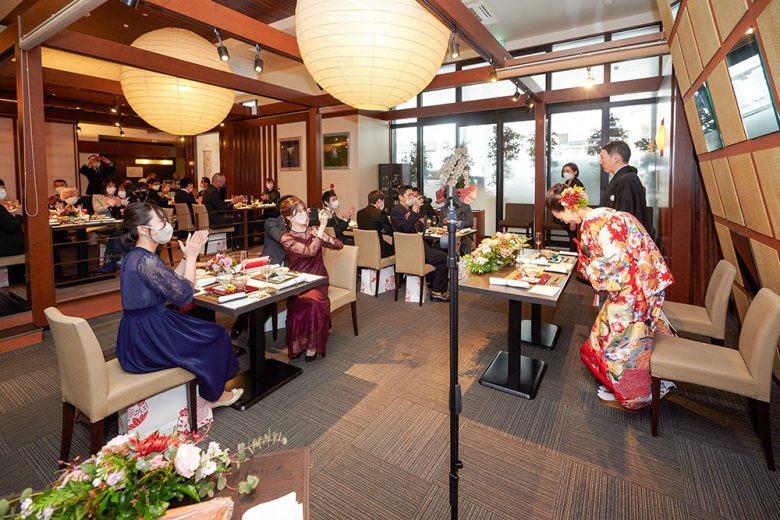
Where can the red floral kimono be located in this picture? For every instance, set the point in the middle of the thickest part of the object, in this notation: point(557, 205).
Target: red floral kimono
point(308, 313)
point(623, 261)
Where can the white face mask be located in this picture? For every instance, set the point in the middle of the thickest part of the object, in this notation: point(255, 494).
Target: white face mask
point(122, 194)
point(156, 187)
point(334, 204)
point(3, 193)
point(410, 201)
point(72, 200)
point(301, 218)
point(110, 191)
point(568, 175)
point(163, 235)
point(59, 189)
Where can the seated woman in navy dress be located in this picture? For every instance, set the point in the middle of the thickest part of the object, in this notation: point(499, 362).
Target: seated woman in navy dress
point(152, 337)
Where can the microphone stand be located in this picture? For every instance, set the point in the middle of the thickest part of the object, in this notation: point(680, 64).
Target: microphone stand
point(456, 399)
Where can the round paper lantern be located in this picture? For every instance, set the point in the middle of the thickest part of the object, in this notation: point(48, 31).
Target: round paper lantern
point(175, 105)
point(370, 54)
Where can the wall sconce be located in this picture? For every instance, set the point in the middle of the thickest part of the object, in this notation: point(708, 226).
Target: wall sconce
point(660, 138)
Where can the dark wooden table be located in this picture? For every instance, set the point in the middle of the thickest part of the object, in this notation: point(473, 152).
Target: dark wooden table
point(264, 375)
point(280, 473)
point(510, 371)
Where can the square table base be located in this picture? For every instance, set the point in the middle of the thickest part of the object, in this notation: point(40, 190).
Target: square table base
point(529, 378)
point(275, 374)
point(547, 334)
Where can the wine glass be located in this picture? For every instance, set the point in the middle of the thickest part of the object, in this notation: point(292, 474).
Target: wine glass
point(266, 271)
point(242, 258)
point(538, 240)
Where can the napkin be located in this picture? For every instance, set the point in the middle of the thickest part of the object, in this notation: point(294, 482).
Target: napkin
point(544, 290)
point(567, 253)
point(538, 261)
point(230, 297)
point(283, 508)
point(206, 280)
point(560, 268)
point(511, 283)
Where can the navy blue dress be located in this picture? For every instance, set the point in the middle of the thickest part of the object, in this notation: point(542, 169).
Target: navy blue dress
point(152, 337)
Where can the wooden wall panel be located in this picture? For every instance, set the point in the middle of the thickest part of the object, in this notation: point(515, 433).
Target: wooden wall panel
point(770, 38)
point(728, 194)
point(727, 14)
point(683, 80)
point(768, 265)
point(727, 247)
point(749, 193)
point(666, 17)
point(742, 302)
point(725, 104)
point(767, 162)
point(695, 127)
point(711, 187)
point(688, 46)
point(703, 28)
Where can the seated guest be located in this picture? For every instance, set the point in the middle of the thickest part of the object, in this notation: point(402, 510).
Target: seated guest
point(219, 210)
point(11, 237)
point(154, 195)
point(271, 196)
point(406, 218)
point(375, 217)
point(125, 194)
point(140, 191)
point(152, 337)
point(107, 203)
point(308, 313)
point(205, 182)
point(426, 210)
point(466, 219)
point(184, 194)
point(330, 202)
point(59, 185)
point(70, 202)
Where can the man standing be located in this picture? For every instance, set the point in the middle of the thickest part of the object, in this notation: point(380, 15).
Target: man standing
point(374, 217)
point(625, 191)
point(97, 169)
point(406, 218)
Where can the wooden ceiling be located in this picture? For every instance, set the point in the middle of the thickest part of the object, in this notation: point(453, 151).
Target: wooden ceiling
point(267, 11)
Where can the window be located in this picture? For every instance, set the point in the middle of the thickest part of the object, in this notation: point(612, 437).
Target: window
point(576, 77)
point(440, 97)
point(634, 69)
point(635, 124)
point(709, 123)
point(486, 90)
point(519, 173)
point(405, 146)
point(576, 137)
point(438, 142)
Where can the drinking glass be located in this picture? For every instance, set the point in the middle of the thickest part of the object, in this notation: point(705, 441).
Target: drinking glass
point(242, 257)
point(538, 240)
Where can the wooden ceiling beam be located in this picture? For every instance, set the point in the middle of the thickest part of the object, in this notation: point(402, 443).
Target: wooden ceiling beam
point(212, 14)
point(602, 90)
point(86, 45)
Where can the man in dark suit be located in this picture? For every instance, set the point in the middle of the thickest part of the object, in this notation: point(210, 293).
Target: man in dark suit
point(625, 191)
point(184, 194)
point(97, 169)
point(219, 210)
point(374, 217)
point(405, 218)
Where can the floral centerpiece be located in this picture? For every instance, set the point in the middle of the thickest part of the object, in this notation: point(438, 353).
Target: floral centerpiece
point(455, 172)
point(221, 264)
point(495, 252)
point(132, 478)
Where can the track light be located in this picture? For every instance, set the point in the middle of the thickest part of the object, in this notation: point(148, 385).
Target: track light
point(121, 132)
point(454, 47)
point(493, 75)
point(590, 80)
point(78, 127)
point(530, 103)
point(749, 30)
point(516, 97)
point(116, 123)
point(258, 59)
point(221, 50)
point(132, 4)
point(115, 106)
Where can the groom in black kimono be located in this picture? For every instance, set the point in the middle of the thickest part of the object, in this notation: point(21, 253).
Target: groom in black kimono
point(625, 191)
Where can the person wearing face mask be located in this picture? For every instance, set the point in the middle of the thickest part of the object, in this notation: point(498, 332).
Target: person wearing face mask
point(205, 182)
point(97, 169)
point(11, 237)
point(220, 211)
point(308, 313)
point(271, 196)
point(375, 217)
point(571, 177)
point(330, 201)
point(625, 191)
point(406, 218)
point(184, 194)
point(70, 201)
point(59, 185)
point(154, 195)
point(152, 337)
point(107, 203)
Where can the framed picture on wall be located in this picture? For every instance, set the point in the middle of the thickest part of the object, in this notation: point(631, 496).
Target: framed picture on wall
point(290, 153)
point(335, 151)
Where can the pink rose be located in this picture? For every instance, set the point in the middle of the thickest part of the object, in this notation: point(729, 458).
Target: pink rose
point(187, 460)
point(157, 462)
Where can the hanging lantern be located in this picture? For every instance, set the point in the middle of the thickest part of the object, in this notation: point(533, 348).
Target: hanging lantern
point(660, 138)
point(370, 54)
point(175, 105)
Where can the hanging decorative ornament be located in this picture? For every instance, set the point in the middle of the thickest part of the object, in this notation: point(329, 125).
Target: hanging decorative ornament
point(175, 105)
point(370, 54)
point(660, 138)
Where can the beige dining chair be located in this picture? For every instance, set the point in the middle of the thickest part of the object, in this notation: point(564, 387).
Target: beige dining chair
point(709, 320)
point(341, 265)
point(99, 388)
point(183, 217)
point(202, 221)
point(410, 259)
point(370, 253)
point(170, 217)
point(746, 371)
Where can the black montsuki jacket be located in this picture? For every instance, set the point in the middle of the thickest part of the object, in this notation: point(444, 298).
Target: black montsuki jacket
point(625, 192)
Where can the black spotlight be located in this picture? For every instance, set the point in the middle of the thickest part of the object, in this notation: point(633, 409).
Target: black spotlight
point(222, 50)
point(132, 4)
point(258, 60)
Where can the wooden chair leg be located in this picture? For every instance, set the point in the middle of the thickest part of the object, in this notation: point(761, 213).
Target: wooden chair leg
point(422, 289)
point(397, 283)
point(192, 405)
point(275, 321)
point(656, 385)
point(68, 418)
point(765, 431)
point(376, 288)
point(752, 411)
point(96, 440)
point(354, 317)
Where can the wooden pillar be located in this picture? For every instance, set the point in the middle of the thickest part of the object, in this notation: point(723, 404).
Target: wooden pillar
point(189, 158)
point(35, 188)
point(313, 158)
point(539, 167)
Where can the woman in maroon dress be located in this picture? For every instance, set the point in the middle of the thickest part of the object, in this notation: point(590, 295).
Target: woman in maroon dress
point(308, 313)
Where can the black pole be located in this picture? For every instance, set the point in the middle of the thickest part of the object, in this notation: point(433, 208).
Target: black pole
point(456, 401)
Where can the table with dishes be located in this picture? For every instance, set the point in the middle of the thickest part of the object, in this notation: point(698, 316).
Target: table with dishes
point(259, 287)
point(82, 225)
point(538, 278)
point(247, 209)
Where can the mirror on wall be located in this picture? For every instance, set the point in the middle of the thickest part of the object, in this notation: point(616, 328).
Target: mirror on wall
point(751, 88)
point(674, 5)
point(709, 123)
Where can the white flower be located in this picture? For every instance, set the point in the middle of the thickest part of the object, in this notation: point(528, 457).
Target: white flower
point(96, 482)
point(46, 513)
point(481, 260)
point(26, 508)
point(213, 450)
point(208, 468)
point(117, 443)
point(486, 249)
point(187, 460)
point(116, 478)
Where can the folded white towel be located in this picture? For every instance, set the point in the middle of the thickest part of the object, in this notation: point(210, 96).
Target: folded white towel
point(544, 290)
point(231, 297)
point(509, 282)
point(204, 281)
point(560, 268)
point(539, 261)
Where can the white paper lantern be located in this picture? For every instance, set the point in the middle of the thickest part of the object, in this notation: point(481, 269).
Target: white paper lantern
point(175, 105)
point(370, 54)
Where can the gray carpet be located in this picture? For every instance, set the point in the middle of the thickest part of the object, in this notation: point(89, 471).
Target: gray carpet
point(375, 416)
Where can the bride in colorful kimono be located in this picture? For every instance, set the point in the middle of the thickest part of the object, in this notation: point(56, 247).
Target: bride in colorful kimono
point(619, 257)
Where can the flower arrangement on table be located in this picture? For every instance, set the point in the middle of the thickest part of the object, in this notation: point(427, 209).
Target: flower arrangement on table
point(221, 264)
point(133, 478)
point(495, 252)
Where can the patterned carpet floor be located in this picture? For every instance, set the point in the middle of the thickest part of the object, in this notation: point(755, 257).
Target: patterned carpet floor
point(375, 415)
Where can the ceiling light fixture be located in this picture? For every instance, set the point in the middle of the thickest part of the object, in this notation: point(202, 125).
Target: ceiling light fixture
point(516, 97)
point(132, 4)
point(749, 30)
point(454, 46)
point(589, 80)
point(530, 103)
point(121, 132)
point(115, 106)
point(493, 73)
point(221, 50)
point(78, 127)
point(258, 60)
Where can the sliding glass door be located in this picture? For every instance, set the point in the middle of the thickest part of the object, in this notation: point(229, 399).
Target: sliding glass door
point(480, 141)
